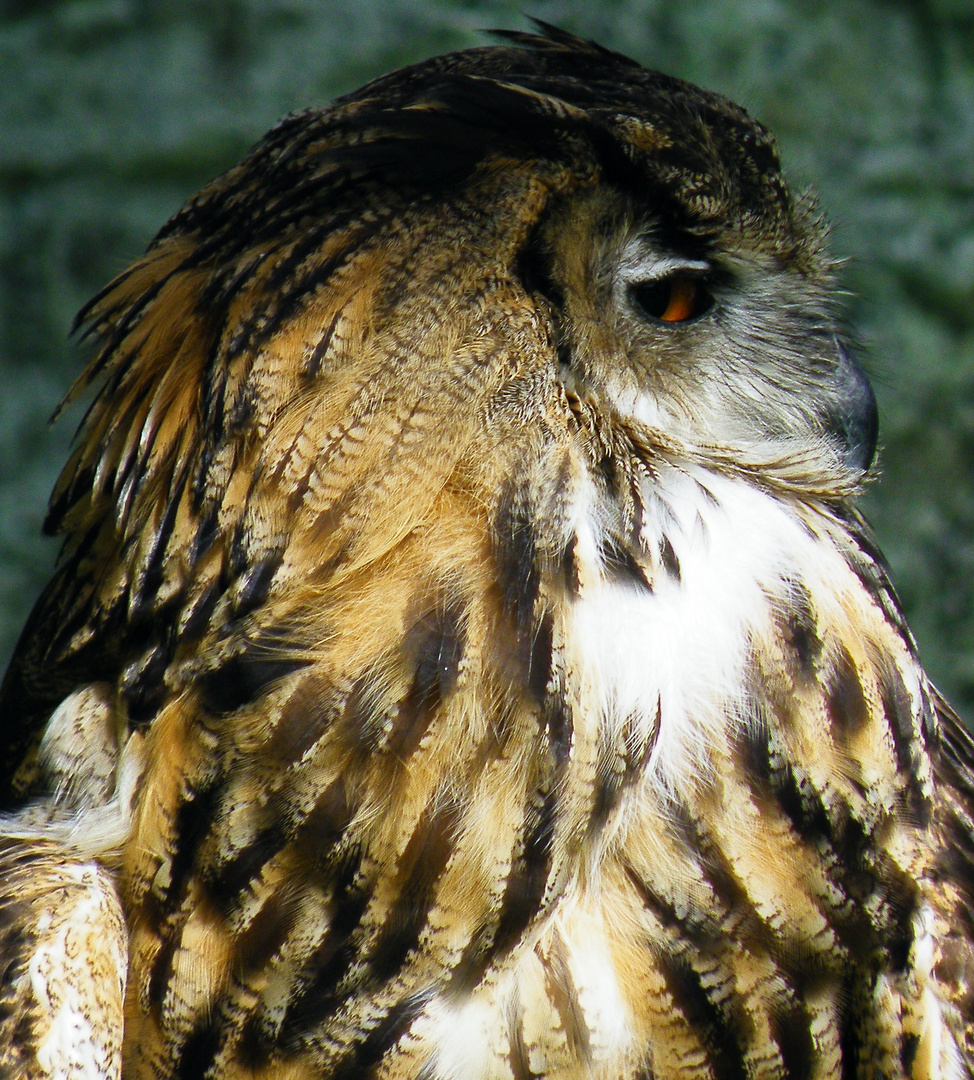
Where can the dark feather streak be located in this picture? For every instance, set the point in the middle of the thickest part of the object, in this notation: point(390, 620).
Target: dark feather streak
point(421, 864)
point(845, 701)
point(721, 1038)
point(244, 678)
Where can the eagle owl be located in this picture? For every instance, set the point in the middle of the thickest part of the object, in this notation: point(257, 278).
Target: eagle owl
point(466, 660)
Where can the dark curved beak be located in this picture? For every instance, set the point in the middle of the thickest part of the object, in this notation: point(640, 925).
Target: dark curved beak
point(855, 420)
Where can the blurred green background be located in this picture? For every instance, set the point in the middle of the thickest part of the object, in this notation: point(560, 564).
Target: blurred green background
point(112, 112)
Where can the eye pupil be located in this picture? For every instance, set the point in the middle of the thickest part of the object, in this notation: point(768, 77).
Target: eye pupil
point(674, 299)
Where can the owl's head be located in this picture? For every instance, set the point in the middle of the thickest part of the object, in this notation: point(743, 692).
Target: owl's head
point(680, 281)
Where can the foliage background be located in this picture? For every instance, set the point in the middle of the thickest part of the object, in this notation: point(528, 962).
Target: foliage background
point(112, 112)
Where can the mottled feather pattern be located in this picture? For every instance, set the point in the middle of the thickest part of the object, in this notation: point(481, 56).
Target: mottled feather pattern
point(466, 659)
point(62, 940)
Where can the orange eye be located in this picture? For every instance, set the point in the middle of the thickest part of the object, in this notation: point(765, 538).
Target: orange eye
point(674, 299)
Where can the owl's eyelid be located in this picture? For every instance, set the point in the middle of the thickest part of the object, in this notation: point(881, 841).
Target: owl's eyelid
point(660, 268)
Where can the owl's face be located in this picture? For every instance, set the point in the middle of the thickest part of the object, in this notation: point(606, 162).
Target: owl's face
point(700, 332)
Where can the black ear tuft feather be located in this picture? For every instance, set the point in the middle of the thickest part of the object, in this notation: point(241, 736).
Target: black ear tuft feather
point(550, 35)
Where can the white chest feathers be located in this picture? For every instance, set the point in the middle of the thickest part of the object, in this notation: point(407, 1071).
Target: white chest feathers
point(670, 651)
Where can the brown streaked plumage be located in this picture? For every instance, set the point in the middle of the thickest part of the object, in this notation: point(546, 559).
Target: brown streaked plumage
point(466, 660)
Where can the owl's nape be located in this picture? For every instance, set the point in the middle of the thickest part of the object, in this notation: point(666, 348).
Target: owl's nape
point(466, 659)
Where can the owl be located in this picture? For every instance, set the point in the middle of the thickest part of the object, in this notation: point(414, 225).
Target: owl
point(466, 660)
